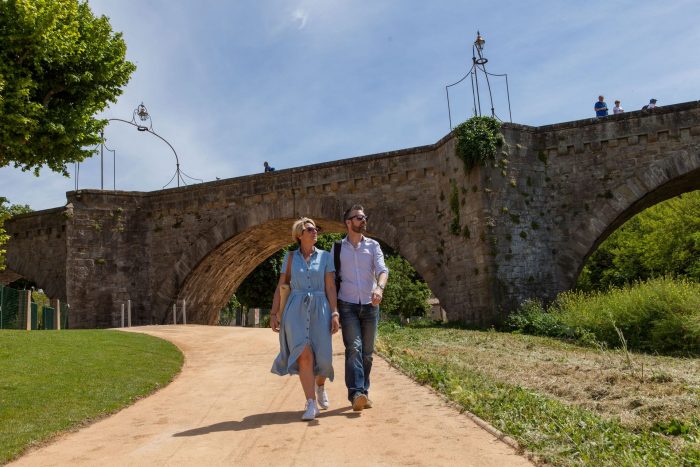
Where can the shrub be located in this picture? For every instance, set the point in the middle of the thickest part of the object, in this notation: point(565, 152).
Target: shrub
point(406, 294)
point(478, 140)
point(532, 318)
point(660, 315)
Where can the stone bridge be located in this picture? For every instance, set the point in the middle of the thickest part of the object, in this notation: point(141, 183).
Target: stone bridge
point(483, 240)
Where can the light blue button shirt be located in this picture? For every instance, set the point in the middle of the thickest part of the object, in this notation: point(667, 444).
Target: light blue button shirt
point(359, 268)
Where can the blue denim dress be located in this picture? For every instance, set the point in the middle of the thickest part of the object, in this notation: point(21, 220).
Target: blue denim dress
point(307, 316)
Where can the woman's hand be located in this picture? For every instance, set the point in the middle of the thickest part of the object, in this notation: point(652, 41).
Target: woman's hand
point(274, 322)
point(335, 322)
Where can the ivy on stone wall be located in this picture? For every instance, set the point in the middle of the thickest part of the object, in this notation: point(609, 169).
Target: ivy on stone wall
point(455, 227)
point(478, 140)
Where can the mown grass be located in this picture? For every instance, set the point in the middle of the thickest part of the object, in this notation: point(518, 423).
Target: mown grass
point(660, 315)
point(524, 386)
point(52, 381)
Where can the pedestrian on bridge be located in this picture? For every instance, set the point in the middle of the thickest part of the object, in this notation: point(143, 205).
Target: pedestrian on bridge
point(309, 318)
point(600, 107)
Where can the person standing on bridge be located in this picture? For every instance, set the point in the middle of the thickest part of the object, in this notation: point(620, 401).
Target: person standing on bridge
point(309, 318)
point(600, 107)
point(362, 276)
point(618, 108)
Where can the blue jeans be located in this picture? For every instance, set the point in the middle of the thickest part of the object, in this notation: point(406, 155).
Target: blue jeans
point(359, 327)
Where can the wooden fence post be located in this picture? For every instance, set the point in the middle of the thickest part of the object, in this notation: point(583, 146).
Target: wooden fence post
point(28, 305)
point(57, 308)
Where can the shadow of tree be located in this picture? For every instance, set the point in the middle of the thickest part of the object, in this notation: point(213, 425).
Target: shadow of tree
point(252, 422)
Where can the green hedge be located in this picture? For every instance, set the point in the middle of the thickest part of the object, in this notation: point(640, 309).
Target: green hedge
point(660, 315)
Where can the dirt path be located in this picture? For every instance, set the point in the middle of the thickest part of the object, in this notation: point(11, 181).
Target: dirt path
point(226, 408)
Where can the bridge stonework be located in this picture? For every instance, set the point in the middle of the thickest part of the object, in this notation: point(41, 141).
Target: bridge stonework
point(484, 240)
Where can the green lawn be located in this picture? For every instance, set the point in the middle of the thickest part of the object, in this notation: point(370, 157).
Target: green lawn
point(567, 404)
point(52, 381)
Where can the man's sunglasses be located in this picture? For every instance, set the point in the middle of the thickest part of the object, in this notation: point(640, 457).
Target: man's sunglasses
point(312, 229)
point(359, 217)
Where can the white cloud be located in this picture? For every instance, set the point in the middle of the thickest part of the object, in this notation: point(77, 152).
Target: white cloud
point(299, 17)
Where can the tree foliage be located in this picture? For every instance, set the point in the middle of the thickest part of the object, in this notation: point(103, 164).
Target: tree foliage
point(662, 240)
point(59, 66)
point(406, 294)
point(7, 211)
point(257, 289)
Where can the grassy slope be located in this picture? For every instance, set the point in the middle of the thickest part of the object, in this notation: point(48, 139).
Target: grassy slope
point(567, 404)
point(51, 381)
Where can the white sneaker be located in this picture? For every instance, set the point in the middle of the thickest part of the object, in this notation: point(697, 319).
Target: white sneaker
point(311, 411)
point(322, 397)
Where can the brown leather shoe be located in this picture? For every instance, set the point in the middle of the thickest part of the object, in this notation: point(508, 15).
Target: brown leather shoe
point(359, 402)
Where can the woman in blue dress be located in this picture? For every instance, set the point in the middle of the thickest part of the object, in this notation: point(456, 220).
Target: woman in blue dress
point(309, 318)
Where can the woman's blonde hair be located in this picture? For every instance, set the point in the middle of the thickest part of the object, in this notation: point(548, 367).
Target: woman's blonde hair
point(298, 227)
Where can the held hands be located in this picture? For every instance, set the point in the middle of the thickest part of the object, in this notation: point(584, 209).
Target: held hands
point(274, 322)
point(335, 322)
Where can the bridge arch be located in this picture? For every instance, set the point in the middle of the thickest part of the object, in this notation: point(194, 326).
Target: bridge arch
point(208, 285)
point(669, 177)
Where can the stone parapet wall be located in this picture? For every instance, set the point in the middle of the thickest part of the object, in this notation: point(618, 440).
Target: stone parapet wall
point(37, 249)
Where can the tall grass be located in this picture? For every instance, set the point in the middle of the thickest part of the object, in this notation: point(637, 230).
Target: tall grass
point(659, 315)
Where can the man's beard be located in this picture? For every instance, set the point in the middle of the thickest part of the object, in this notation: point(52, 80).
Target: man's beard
point(362, 228)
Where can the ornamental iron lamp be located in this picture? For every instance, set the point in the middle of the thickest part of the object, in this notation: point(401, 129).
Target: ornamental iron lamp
point(144, 124)
point(478, 67)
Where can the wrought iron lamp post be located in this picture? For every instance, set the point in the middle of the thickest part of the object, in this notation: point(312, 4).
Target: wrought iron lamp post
point(144, 124)
point(479, 62)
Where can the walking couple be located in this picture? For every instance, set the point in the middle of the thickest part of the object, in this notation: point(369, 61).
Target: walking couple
point(318, 306)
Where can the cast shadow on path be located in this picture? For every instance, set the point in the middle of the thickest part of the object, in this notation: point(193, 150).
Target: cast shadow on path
point(252, 422)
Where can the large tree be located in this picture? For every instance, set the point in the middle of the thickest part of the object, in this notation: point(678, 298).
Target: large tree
point(59, 66)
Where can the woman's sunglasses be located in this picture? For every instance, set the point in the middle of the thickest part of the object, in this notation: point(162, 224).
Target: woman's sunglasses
point(312, 230)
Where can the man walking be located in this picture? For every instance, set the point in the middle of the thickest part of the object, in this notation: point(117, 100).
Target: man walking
point(362, 276)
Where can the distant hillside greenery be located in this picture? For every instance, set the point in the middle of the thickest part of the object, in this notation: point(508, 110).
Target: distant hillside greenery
point(663, 240)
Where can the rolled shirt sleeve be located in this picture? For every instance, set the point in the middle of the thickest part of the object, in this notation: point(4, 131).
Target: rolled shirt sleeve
point(359, 269)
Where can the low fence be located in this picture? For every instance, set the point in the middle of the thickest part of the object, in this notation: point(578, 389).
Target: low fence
point(18, 311)
point(246, 317)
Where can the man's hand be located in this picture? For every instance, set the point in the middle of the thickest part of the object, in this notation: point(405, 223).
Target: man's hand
point(377, 294)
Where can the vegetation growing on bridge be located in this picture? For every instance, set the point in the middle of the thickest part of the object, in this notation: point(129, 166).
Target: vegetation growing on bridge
point(478, 140)
point(455, 226)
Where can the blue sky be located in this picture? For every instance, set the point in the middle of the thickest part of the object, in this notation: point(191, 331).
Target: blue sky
point(231, 84)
